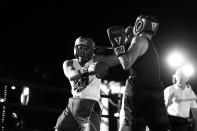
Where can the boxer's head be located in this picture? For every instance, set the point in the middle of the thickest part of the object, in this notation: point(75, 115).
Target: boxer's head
point(83, 49)
point(145, 24)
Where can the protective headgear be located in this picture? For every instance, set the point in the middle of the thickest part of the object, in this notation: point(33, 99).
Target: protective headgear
point(146, 24)
point(86, 42)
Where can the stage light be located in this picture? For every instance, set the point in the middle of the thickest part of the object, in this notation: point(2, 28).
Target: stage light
point(13, 87)
point(14, 115)
point(116, 114)
point(2, 100)
point(175, 59)
point(25, 96)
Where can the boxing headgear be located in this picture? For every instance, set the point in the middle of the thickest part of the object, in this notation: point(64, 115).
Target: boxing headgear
point(146, 24)
point(88, 43)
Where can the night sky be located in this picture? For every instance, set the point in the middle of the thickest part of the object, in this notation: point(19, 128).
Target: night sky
point(36, 37)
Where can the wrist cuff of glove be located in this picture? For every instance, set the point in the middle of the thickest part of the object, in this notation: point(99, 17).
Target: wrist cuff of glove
point(119, 50)
point(84, 72)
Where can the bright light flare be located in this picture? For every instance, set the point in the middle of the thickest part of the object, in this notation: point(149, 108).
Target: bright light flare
point(175, 59)
point(188, 70)
point(116, 114)
point(2, 100)
point(13, 87)
point(26, 90)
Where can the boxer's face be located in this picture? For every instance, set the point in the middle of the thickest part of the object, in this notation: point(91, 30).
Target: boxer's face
point(83, 53)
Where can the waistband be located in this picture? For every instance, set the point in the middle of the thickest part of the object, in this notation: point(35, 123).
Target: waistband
point(83, 105)
point(178, 117)
point(176, 120)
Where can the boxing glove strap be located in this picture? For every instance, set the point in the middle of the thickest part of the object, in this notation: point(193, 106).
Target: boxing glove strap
point(119, 50)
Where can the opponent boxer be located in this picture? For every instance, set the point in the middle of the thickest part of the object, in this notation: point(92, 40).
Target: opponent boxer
point(143, 101)
point(85, 72)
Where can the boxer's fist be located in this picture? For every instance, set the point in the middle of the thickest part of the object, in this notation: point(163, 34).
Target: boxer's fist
point(116, 35)
point(99, 69)
point(117, 38)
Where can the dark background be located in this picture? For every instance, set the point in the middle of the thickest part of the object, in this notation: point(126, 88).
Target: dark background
point(36, 37)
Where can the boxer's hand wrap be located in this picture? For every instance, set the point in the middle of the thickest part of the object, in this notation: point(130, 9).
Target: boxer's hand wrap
point(120, 50)
point(117, 37)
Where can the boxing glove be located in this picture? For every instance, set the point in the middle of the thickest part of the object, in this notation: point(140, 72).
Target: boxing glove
point(99, 69)
point(117, 36)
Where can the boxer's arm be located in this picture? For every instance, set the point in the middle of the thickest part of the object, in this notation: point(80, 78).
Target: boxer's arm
point(98, 68)
point(110, 60)
point(136, 49)
point(69, 71)
point(106, 55)
point(127, 57)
